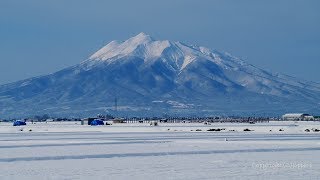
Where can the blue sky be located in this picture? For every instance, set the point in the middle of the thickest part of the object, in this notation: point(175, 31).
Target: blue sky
point(39, 37)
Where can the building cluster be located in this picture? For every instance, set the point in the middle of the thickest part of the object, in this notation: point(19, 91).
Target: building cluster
point(167, 119)
point(87, 121)
point(298, 117)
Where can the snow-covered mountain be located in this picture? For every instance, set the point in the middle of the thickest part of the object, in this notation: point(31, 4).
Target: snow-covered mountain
point(154, 77)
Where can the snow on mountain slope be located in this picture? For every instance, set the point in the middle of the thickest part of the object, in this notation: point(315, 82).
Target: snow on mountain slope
point(141, 45)
point(151, 76)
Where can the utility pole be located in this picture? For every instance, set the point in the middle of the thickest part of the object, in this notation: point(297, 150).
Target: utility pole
point(116, 106)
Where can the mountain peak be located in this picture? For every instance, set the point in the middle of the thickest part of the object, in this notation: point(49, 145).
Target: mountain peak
point(176, 54)
point(139, 44)
point(143, 35)
point(141, 38)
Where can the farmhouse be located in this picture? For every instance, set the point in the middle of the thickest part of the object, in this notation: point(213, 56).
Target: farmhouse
point(297, 117)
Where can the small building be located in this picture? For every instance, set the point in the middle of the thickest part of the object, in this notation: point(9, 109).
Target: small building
point(19, 123)
point(297, 117)
point(97, 122)
point(87, 121)
point(118, 120)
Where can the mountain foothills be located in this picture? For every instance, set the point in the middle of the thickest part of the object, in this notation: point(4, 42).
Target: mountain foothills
point(148, 77)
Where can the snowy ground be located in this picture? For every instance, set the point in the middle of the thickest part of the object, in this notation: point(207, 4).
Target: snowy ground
point(170, 151)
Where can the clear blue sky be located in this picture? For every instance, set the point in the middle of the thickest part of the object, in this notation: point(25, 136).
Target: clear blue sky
point(38, 37)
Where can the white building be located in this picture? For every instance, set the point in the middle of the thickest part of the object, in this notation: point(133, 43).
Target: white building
point(297, 117)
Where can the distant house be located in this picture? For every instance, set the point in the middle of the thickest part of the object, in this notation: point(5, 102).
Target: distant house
point(87, 121)
point(19, 123)
point(297, 117)
point(118, 120)
point(97, 122)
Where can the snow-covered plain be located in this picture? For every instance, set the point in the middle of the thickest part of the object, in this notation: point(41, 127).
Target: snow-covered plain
point(68, 150)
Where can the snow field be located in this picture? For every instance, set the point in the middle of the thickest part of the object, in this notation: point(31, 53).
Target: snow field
point(59, 150)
